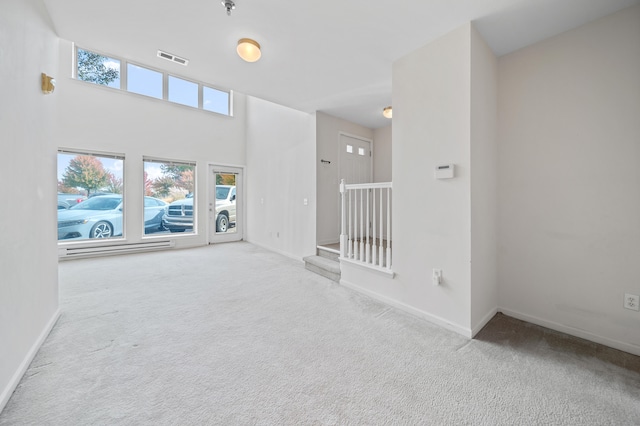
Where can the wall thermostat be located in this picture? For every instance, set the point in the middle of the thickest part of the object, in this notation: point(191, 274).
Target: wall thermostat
point(444, 171)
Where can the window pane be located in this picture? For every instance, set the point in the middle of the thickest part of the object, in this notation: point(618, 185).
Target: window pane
point(215, 100)
point(98, 69)
point(144, 81)
point(171, 186)
point(90, 202)
point(183, 92)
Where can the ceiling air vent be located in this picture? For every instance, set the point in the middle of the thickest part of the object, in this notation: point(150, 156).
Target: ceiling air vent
point(172, 58)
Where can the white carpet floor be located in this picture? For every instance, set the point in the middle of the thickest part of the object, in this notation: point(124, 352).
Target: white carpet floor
point(236, 335)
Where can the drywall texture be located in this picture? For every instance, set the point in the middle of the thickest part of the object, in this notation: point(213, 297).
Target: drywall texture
point(28, 261)
point(101, 119)
point(431, 218)
point(328, 130)
point(484, 280)
point(281, 175)
point(569, 173)
point(382, 154)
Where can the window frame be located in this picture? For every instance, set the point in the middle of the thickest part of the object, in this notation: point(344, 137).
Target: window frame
point(109, 155)
point(157, 160)
point(124, 63)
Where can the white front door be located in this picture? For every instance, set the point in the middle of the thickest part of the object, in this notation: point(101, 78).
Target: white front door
point(355, 159)
point(355, 167)
point(225, 204)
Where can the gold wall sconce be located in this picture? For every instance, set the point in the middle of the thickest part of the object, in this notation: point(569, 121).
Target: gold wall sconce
point(48, 84)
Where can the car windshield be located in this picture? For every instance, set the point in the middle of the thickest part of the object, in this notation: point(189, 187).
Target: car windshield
point(98, 203)
point(222, 192)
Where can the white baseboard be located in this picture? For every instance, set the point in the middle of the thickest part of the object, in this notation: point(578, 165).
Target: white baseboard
point(284, 253)
point(328, 242)
point(476, 329)
point(616, 344)
point(466, 332)
point(17, 376)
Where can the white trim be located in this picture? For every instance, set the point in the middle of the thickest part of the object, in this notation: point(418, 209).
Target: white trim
point(283, 253)
point(463, 331)
point(379, 185)
point(241, 218)
point(369, 267)
point(475, 330)
point(24, 365)
point(616, 344)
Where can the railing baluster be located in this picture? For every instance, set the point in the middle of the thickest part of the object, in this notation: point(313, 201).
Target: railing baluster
point(373, 227)
point(388, 228)
point(371, 246)
point(350, 248)
point(367, 257)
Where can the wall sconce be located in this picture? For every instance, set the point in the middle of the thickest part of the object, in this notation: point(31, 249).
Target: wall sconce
point(249, 49)
point(48, 84)
point(387, 112)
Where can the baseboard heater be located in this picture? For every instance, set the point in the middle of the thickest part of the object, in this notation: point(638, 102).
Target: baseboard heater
point(77, 252)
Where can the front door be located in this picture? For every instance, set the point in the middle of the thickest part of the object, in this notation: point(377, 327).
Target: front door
point(225, 204)
point(355, 167)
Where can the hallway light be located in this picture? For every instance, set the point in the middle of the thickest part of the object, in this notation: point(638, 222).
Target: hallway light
point(249, 49)
point(387, 112)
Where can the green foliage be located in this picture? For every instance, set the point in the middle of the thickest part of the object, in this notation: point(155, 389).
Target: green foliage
point(87, 172)
point(91, 68)
point(174, 171)
point(114, 184)
point(162, 185)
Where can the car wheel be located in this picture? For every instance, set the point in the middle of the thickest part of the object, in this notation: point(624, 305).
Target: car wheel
point(101, 230)
point(222, 223)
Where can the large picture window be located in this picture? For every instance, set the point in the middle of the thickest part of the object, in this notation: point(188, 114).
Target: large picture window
point(90, 196)
point(171, 183)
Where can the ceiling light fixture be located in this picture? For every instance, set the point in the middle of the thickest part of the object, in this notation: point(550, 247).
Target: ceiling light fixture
point(249, 49)
point(387, 112)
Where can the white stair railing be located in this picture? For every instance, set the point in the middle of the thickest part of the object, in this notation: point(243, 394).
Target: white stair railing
point(365, 236)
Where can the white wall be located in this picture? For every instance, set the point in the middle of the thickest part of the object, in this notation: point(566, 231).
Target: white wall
point(382, 154)
point(102, 119)
point(444, 101)
point(484, 280)
point(431, 218)
point(29, 283)
point(569, 181)
point(281, 174)
point(328, 130)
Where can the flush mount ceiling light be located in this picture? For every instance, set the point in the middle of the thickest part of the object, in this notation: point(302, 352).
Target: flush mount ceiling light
point(387, 112)
point(249, 49)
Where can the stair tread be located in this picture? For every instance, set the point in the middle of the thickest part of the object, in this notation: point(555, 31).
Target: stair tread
point(324, 263)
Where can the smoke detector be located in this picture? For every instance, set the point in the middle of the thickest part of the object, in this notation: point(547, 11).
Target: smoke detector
point(229, 5)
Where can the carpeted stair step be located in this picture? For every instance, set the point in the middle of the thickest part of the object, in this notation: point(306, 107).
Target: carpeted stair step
point(329, 253)
point(321, 265)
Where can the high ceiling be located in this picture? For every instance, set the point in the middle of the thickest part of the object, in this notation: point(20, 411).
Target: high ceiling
point(329, 56)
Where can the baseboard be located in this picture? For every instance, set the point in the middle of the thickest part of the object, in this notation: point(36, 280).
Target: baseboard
point(328, 242)
point(17, 376)
point(434, 319)
point(476, 329)
point(285, 254)
point(612, 343)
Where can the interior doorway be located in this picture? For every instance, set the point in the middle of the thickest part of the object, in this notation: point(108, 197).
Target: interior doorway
point(225, 201)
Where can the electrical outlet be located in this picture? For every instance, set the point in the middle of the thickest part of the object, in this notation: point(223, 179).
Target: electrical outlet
point(436, 276)
point(632, 301)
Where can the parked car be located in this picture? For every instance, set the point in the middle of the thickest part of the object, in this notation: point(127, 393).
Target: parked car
point(101, 217)
point(179, 216)
point(69, 200)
